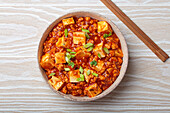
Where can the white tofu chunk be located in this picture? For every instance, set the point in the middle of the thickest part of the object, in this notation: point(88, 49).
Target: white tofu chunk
point(46, 61)
point(103, 26)
point(74, 75)
point(87, 77)
point(82, 53)
point(79, 37)
point(60, 57)
point(68, 21)
point(63, 42)
point(99, 50)
point(56, 83)
point(60, 42)
point(93, 90)
point(99, 65)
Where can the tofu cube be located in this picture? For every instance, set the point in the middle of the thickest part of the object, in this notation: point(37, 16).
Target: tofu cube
point(93, 90)
point(87, 77)
point(103, 26)
point(46, 61)
point(79, 37)
point(99, 50)
point(74, 75)
point(63, 42)
point(68, 21)
point(56, 83)
point(99, 65)
point(60, 57)
point(60, 42)
point(81, 54)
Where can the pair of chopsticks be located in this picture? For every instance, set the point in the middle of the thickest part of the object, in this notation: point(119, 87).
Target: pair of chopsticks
point(136, 30)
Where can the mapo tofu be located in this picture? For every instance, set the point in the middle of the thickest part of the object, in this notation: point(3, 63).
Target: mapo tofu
point(82, 56)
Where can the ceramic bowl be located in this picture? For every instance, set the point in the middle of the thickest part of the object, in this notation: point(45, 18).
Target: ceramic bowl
point(123, 46)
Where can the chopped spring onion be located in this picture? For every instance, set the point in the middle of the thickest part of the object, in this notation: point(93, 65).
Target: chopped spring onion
point(107, 35)
point(72, 56)
point(71, 64)
point(90, 49)
point(99, 55)
point(93, 63)
point(95, 74)
point(73, 52)
point(81, 78)
point(85, 30)
point(66, 32)
point(52, 74)
point(68, 55)
point(67, 69)
point(68, 50)
point(67, 59)
point(88, 72)
point(81, 69)
point(88, 45)
point(106, 50)
point(87, 36)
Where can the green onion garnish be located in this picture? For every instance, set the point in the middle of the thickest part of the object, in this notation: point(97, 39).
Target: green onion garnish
point(107, 35)
point(88, 72)
point(81, 78)
point(52, 74)
point(95, 74)
point(99, 55)
point(106, 50)
point(73, 52)
point(68, 50)
point(90, 49)
point(93, 63)
point(71, 64)
point(67, 69)
point(85, 30)
point(66, 32)
point(67, 59)
point(88, 45)
point(87, 36)
point(68, 55)
point(81, 69)
point(72, 56)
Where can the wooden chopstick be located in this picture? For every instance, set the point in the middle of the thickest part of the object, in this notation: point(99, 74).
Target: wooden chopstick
point(136, 30)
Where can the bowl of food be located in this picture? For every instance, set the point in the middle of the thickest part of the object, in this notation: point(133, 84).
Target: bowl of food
point(83, 56)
